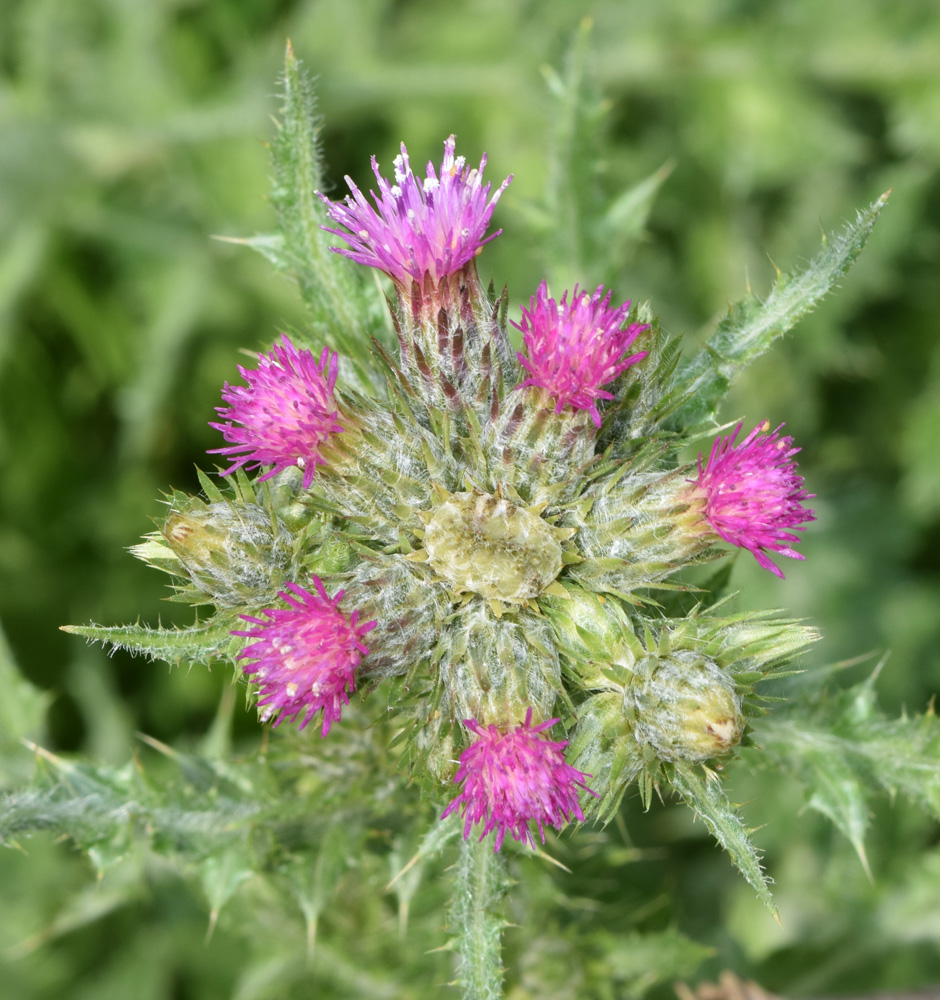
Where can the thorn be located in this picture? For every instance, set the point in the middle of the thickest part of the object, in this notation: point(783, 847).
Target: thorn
point(161, 747)
point(42, 752)
point(404, 870)
point(242, 240)
point(210, 930)
point(863, 857)
point(776, 916)
point(878, 668)
point(311, 939)
point(552, 861)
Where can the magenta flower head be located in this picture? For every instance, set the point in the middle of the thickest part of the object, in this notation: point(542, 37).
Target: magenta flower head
point(285, 413)
point(576, 347)
point(305, 655)
point(417, 227)
point(513, 778)
point(754, 495)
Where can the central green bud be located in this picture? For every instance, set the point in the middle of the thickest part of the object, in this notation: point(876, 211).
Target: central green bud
point(489, 546)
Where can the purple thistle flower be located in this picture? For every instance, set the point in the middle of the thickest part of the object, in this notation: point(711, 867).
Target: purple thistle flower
point(305, 656)
point(575, 348)
point(286, 412)
point(512, 778)
point(417, 227)
point(754, 493)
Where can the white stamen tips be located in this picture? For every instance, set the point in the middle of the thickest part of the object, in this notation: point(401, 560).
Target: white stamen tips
point(434, 224)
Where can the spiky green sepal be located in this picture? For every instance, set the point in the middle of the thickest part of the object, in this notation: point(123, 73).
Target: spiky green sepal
point(409, 613)
point(636, 530)
point(681, 692)
point(453, 349)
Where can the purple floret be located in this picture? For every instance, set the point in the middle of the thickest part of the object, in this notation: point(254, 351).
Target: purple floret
point(284, 415)
point(305, 655)
point(434, 226)
point(515, 777)
point(755, 497)
point(576, 347)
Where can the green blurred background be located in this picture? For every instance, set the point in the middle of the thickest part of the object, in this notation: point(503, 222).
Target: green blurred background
point(132, 131)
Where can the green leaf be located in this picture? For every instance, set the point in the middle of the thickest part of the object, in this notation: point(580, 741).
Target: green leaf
point(572, 198)
point(23, 706)
point(407, 876)
point(640, 961)
point(221, 874)
point(333, 291)
point(313, 880)
point(842, 748)
point(703, 792)
point(625, 219)
point(751, 326)
point(197, 644)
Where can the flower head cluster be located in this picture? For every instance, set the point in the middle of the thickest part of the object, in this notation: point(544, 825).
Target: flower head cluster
point(513, 778)
point(576, 347)
point(285, 413)
point(754, 495)
point(495, 541)
point(434, 226)
point(304, 657)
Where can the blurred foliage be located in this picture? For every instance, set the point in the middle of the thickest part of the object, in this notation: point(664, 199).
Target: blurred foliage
point(130, 133)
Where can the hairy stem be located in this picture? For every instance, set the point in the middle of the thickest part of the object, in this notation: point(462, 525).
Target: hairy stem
point(475, 919)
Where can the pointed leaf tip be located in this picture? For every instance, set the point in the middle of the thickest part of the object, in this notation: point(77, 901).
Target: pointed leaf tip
point(751, 326)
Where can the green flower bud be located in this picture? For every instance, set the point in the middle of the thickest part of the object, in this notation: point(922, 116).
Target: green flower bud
point(236, 554)
point(494, 669)
point(603, 745)
point(684, 707)
point(594, 633)
point(639, 532)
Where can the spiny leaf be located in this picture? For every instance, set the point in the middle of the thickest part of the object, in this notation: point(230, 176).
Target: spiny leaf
point(197, 644)
point(572, 199)
point(22, 706)
point(751, 326)
point(709, 802)
point(625, 218)
point(843, 747)
point(221, 874)
point(101, 808)
point(331, 290)
point(639, 961)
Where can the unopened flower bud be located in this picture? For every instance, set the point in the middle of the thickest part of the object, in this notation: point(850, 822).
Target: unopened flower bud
point(596, 636)
point(235, 553)
point(685, 708)
point(495, 670)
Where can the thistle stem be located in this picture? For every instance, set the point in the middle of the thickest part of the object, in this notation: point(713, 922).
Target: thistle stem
point(475, 919)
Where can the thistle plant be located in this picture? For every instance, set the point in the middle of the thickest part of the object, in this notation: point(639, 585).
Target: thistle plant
point(492, 566)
